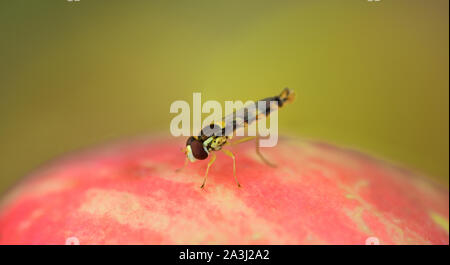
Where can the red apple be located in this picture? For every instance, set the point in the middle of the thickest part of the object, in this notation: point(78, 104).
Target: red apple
point(129, 193)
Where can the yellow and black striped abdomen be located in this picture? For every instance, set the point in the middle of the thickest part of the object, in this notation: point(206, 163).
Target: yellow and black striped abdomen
point(249, 114)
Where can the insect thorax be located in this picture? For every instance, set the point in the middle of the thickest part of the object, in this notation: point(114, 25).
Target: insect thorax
point(215, 143)
point(212, 137)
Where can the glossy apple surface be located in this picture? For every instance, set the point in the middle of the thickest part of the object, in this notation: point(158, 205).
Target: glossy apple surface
point(129, 193)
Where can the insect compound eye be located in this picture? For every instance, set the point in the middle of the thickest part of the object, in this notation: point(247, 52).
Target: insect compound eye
point(197, 150)
point(190, 140)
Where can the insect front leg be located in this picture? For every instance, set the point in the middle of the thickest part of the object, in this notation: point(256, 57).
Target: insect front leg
point(211, 161)
point(186, 161)
point(230, 154)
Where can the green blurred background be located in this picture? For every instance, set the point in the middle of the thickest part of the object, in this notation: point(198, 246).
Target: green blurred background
point(369, 75)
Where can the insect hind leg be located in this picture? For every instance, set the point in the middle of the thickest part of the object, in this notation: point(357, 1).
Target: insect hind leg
point(243, 140)
point(258, 152)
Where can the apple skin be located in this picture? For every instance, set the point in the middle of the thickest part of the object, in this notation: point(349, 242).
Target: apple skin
point(129, 193)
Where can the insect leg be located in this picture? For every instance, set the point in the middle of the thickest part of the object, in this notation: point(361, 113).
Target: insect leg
point(211, 161)
point(230, 154)
point(186, 161)
point(258, 152)
point(245, 139)
point(260, 155)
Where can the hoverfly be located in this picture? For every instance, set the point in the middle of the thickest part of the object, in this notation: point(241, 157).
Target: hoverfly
point(215, 136)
